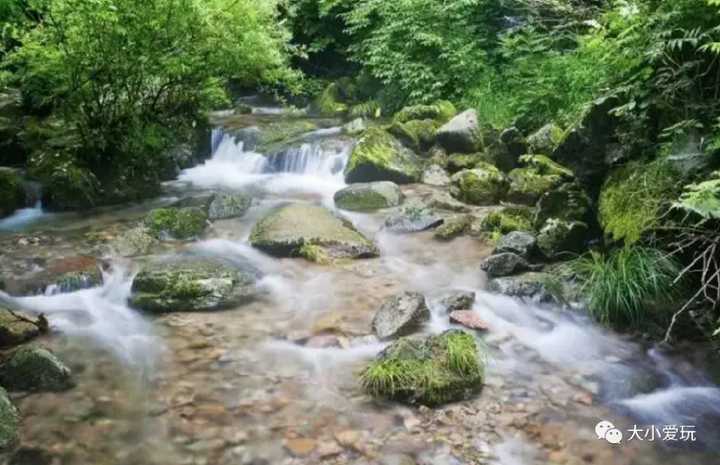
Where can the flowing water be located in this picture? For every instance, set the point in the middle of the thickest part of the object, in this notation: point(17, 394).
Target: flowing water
point(249, 386)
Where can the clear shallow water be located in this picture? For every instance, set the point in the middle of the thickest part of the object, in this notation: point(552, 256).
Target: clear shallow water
point(237, 386)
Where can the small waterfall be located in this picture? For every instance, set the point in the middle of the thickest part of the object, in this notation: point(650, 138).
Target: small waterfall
point(30, 214)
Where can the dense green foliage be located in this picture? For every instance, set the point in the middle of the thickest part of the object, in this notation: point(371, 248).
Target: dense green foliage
point(623, 287)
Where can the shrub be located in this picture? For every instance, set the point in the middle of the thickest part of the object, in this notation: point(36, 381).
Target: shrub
point(622, 286)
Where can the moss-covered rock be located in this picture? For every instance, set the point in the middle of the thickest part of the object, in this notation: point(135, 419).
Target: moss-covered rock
point(483, 185)
point(466, 161)
point(418, 135)
point(66, 184)
point(289, 230)
point(177, 223)
point(569, 202)
point(430, 371)
point(368, 196)
point(540, 287)
point(558, 238)
point(17, 328)
point(134, 242)
point(453, 227)
point(634, 198)
point(508, 219)
point(329, 102)
point(527, 186)
point(521, 243)
point(192, 284)
point(226, 205)
point(35, 369)
point(440, 111)
point(9, 422)
point(546, 139)
point(12, 195)
point(545, 166)
point(378, 156)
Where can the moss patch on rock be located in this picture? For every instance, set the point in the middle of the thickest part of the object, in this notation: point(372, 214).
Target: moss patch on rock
point(9, 422)
point(504, 221)
point(177, 223)
point(441, 111)
point(418, 135)
point(371, 196)
point(378, 156)
point(483, 185)
point(430, 371)
point(35, 369)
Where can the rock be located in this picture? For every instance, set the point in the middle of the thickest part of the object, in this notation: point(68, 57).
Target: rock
point(531, 286)
point(569, 202)
point(484, 185)
point(538, 176)
point(378, 156)
point(300, 447)
point(329, 102)
point(32, 456)
point(9, 422)
point(176, 223)
point(440, 111)
point(434, 175)
point(12, 194)
point(507, 150)
point(35, 369)
point(431, 371)
point(369, 196)
point(559, 237)
point(134, 242)
point(504, 264)
point(469, 319)
point(66, 185)
point(521, 243)
point(453, 227)
point(442, 200)
point(400, 315)
point(418, 135)
point(355, 127)
point(458, 300)
point(16, 328)
point(466, 161)
point(226, 205)
point(192, 284)
point(461, 134)
point(310, 231)
point(412, 218)
point(507, 220)
point(546, 139)
point(584, 147)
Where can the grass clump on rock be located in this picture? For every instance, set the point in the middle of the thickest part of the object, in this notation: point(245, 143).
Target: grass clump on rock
point(430, 371)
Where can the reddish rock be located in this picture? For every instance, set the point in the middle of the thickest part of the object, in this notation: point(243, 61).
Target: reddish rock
point(469, 319)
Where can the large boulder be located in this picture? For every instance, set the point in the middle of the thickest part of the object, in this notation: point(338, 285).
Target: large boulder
point(484, 185)
point(521, 243)
point(413, 217)
point(461, 134)
point(12, 195)
point(569, 202)
point(35, 369)
point(369, 196)
point(192, 284)
point(418, 135)
point(430, 371)
point(400, 315)
point(378, 156)
point(16, 328)
point(559, 238)
point(504, 264)
point(177, 223)
point(9, 422)
point(310, 231)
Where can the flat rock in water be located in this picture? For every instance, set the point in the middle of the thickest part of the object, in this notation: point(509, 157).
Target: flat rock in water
point(35, 369)
point(400, 315)
point(469, 319)
point(192, 284)
point(310, 231)
point(413, 218)
point(369, 196)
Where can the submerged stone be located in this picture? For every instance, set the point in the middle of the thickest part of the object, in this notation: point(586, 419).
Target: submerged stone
point(35, 369)
point(429, 371)
point(310, 231)
point(192, 284)
point(400, 315)
point(369, 196)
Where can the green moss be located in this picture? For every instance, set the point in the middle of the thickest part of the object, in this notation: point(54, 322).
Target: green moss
point(634, 198)
point(527, 185)
point(431, 371)
point(544, 166)
point(9, 421)
point(507, 220)
point(12, 195)
point(370, 109)
point(441, 111)
point(314, 253)
point(279, 133)
point(416, 134)
point(453, 227)
point(177, 223)
point(35, 369)
point(464, 161)
point(483, 185)
point(378, 156)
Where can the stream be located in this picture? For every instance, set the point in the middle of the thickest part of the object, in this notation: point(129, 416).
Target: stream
point(250, 386)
